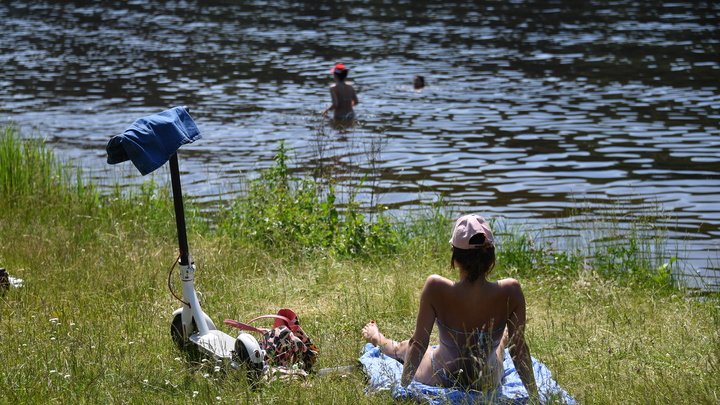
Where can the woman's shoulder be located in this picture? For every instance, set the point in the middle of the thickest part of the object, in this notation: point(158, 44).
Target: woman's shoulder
point(437, 281)
point(508, 283)
point(510, 286)
point(436, 286)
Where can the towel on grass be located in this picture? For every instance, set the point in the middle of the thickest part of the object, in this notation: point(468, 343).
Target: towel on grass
point(384, 373)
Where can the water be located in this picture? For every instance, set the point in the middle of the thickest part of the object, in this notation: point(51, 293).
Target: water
point(530, 108)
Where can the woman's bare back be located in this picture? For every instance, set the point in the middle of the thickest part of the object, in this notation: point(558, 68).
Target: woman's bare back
point(471, 320)
point(343, 99)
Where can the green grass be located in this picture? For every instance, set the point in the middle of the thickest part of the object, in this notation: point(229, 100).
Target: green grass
point(92, 322)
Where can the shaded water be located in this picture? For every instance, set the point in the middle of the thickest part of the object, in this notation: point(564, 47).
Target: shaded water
point(531, 106)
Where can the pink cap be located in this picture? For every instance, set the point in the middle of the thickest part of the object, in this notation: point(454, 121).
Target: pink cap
point(338, 68)
point(468, 226)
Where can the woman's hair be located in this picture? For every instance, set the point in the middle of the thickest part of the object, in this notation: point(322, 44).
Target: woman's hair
point(476, 262)
point(342, 74)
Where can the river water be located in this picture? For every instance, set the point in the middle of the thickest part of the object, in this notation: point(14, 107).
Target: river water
point(531, 107)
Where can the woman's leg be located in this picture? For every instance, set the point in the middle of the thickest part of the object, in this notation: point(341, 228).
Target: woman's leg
point(394, 349)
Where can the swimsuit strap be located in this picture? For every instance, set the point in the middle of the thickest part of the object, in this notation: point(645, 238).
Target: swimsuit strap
point(468, 333)
point(482, 337)
point(454, 381)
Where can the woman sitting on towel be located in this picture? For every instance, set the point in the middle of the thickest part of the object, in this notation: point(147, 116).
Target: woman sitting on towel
point(476, 319)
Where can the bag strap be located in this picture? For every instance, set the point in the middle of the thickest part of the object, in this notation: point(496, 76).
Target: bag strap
point(245, 326)
point(283, 321)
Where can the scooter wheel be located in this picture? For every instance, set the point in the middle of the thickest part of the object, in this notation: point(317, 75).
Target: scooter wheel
point(176, 331)
point(254, 370)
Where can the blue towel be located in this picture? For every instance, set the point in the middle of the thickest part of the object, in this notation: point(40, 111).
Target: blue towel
point(384, 373)
point(152, 140)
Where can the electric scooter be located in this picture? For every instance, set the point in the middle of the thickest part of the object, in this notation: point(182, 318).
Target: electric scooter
point(191, 327)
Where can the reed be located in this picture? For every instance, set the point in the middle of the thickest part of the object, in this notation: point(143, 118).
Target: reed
point(92, 322)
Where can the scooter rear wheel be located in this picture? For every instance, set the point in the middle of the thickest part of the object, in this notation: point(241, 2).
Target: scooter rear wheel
point(254, 370)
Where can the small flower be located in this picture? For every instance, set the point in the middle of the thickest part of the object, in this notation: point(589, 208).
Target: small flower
point(195, 393)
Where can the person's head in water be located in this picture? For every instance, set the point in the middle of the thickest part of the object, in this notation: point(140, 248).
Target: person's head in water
point(473, 247)
point(340, 71)
point(419, 81)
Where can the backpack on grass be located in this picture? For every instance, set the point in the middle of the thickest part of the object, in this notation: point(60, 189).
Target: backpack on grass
point(286, 344)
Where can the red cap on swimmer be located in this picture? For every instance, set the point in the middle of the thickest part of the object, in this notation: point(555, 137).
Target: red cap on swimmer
point(338, 68)
point(471, 232)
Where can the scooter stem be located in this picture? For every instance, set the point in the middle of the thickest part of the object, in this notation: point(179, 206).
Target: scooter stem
point(190, 296)
point(179, 210)
point(187, 267)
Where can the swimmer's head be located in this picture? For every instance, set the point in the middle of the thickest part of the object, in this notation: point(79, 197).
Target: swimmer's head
point(419, 81)
point(340, 70)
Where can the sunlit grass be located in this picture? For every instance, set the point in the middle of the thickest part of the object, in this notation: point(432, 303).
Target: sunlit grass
point(92, 322)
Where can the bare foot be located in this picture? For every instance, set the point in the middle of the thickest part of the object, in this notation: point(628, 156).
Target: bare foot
point(372, 334)
point(396, 350)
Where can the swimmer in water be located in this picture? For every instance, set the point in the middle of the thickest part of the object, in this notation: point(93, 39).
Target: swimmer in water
point(342, 94)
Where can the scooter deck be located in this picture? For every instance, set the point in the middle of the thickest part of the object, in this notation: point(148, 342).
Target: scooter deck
point(216, 343)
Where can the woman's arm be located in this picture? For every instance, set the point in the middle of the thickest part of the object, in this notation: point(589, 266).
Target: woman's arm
point(519, 350)
point(334, 101)
point(355, 100)
point(421, 338)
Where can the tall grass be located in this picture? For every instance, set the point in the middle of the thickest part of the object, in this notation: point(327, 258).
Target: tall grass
point(92, 323)
point(27, 167)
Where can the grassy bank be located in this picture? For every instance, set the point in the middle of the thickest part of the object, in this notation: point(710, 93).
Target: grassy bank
point(92, 322)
